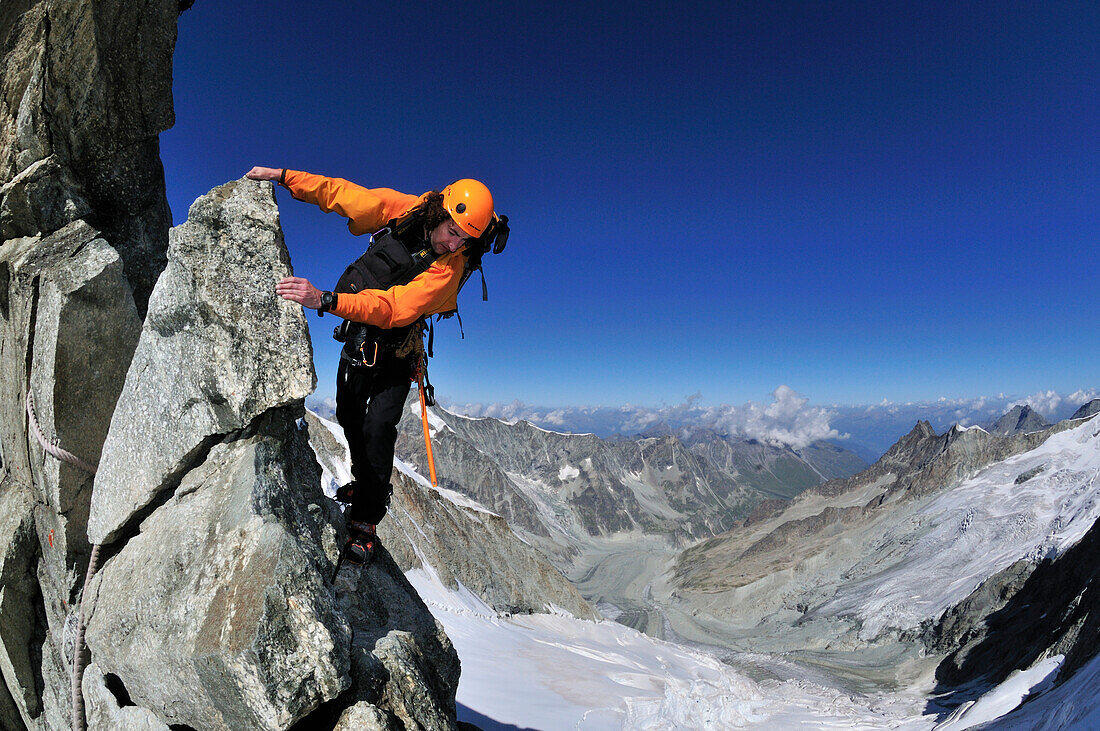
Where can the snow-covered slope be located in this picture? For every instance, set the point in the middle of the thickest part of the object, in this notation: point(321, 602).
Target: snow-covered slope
point(896, 545)
point(1031, 506)
point(552, 670)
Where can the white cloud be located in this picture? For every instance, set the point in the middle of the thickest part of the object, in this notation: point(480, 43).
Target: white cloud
point(1082, 396)
point(514, 411)
point(786, 420)
point(1045, 402)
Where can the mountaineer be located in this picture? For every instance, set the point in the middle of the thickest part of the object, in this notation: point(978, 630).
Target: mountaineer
point(422, 250)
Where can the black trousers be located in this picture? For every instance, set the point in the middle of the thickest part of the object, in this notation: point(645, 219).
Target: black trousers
point(369, 404)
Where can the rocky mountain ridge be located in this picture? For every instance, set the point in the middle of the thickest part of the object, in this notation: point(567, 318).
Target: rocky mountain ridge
point(565, 489)
point(919, 464)
point(1087, 410)
point(609, 512)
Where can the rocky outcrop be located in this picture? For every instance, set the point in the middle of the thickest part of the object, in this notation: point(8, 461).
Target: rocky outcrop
point(1028, 611)
point(404, 667)
point(217, 614)
point(86, 90)
point(69, 329)
point(19, 595)
point(215, 607)
point(215, 604)
point(107, 705)
point(217, 349)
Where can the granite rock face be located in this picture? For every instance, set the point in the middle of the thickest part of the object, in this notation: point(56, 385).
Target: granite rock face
point(218, 348)
point(104, 709)
point(217, 614)
point(216, 607)
point(69, 329)
point(18, 594)
point(86, 89)
point(236, 546)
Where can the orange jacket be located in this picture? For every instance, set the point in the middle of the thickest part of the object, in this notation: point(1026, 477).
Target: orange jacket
point(368, 210)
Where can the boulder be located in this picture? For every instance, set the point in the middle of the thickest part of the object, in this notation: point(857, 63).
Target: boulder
point(217, 614)
point(218, 349)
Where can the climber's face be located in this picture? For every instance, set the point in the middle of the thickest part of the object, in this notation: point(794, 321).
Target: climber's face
point(447, 237)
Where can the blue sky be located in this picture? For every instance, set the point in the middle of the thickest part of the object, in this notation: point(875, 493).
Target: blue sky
point(856, 200)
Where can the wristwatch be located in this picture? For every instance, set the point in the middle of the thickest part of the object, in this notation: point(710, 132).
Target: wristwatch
point(328, 301)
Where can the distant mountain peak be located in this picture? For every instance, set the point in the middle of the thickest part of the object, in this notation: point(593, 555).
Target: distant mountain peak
point(1020, 419)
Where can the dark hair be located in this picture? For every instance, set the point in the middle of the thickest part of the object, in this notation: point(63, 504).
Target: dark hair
point(430, 213)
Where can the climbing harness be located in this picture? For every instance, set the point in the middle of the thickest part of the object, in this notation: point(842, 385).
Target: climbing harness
point(54, 449)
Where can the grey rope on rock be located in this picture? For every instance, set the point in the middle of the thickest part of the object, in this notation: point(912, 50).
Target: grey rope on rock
point(49, 446)
point(78, 649)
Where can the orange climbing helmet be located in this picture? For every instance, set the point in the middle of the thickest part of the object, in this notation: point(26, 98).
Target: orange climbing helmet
point(470, 204)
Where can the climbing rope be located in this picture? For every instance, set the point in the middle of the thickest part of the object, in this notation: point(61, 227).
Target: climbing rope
point(52, 448)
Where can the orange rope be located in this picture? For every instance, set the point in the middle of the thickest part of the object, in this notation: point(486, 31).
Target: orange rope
point(424, 419)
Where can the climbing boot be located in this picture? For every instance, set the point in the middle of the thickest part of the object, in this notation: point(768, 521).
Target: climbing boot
point(362, 543)
point(346, 493)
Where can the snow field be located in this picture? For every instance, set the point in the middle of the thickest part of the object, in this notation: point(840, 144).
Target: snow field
point(965, 535)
